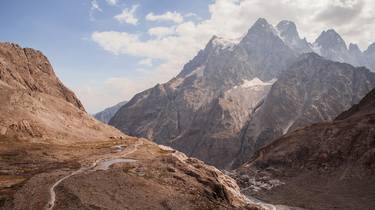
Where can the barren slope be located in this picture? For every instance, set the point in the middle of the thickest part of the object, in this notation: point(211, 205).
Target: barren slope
point(323, 166)
point(55, 156)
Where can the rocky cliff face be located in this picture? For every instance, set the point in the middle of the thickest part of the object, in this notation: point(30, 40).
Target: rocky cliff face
point(55, 156)
point(207, 109)
point(30, 70)
point(288, 32)
point(336, 157)
point(31, 96)
point(106, 115)
point(346, 140)
point(312, 90)
point(210, 93)
point(331, 46)
point(207, 112)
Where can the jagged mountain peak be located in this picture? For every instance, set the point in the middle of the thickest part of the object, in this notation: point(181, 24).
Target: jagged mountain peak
point(287, 27)
point(354, 48)
point(331, 39)
point(261, 22)
point(331, 45)
point(223, 43)
point(287, 31)
point(371, 48)
point(261, 25)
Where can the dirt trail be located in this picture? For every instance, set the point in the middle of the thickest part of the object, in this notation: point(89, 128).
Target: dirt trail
point(51, 202)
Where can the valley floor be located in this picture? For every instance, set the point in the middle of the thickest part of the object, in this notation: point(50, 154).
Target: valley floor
point(104, 175)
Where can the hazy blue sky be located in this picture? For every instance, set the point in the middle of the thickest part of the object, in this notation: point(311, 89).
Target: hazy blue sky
point(108, 50)
point(62, 30)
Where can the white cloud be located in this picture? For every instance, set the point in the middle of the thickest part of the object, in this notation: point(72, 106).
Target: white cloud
point(166, 48)
point(146, 62)
point(233, 18)
point(97, 96)
point(112, 2)
point(168, 16)
point(190, 14)
point(161, 31)
point(128, 15)
point(94, 8)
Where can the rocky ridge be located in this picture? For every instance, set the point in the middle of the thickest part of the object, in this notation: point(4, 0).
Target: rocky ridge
point(312, 90)
point(335, 158)
point(204, 95)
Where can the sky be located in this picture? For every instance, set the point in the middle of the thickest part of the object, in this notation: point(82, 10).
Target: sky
point(108, 50)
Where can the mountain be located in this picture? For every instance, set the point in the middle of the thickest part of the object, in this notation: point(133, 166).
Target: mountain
point(56, 156)
point(356, 55)
point(208, 110)
point(36, 105)
point(288, 32)
point(332, 46)
point(312, 90)
point(216, 90)
point(369, 56)
point(106, 115)
point(323, 166)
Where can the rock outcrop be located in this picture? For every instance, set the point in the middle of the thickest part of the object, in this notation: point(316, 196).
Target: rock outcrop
point(30, 70)
point(36, 105)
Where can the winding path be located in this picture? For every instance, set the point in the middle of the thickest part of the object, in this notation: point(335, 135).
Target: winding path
point(103, 164)
point(52, 200)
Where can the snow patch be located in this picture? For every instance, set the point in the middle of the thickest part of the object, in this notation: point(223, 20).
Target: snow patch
point(225, 43)
point(288, 127)
point(256, 82)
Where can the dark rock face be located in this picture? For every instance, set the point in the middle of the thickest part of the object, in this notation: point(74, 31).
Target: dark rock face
point(208, 111)
point(288, 32)
point(266, 51)
point(337, 157)
point(347, 140)
point(312, 90)
point(330, 45)
point(202, 110)
point(106, 115)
